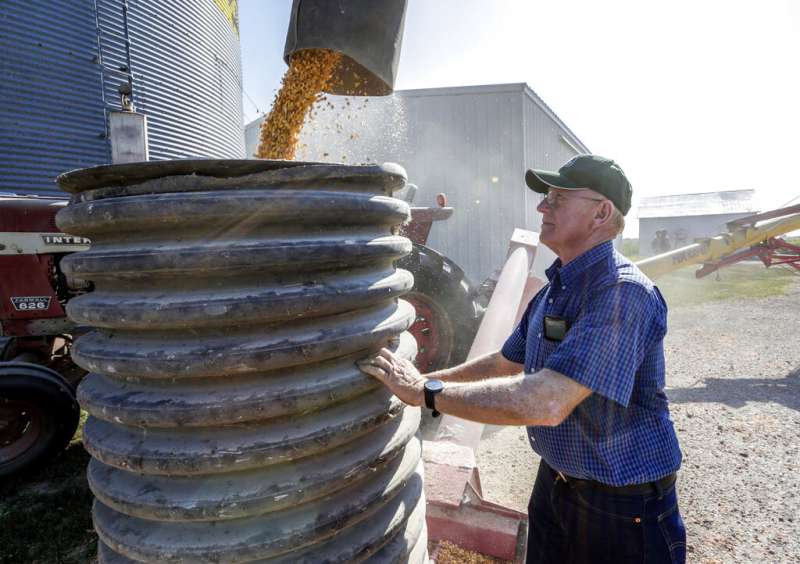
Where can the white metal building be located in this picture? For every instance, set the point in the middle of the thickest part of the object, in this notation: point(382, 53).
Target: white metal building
point(473, 143)
point(686, 217)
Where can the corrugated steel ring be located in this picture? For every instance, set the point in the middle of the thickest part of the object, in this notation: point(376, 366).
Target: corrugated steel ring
point(228, 421)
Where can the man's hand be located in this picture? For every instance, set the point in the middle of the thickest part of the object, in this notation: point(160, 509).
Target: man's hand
point(397, 374)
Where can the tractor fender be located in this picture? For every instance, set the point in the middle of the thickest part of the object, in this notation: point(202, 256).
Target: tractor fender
point(448, 313)
point(430, 259)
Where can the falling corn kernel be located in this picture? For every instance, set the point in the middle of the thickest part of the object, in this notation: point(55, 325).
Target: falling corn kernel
point(310, 72)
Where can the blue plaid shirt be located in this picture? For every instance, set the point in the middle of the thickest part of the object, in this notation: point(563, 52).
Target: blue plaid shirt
point(621, 434)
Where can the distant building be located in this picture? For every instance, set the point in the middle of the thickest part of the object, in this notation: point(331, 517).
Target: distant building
point(473, 143)
point(671, 222)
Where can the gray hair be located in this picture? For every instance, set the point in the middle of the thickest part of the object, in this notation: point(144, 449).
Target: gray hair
point(618, 221)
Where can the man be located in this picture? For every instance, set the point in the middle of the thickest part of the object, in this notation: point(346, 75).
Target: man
point(656, 245)
point(584, 371)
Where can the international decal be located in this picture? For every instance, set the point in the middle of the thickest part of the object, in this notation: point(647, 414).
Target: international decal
point(30, 303)
point(61, 239)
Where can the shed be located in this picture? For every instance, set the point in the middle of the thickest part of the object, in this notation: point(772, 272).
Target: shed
point(686, 217)
point(473, 143)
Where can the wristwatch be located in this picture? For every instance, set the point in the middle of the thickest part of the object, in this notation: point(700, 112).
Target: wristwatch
point(432, 387)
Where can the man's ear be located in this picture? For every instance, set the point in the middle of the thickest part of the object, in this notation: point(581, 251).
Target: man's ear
point(604, 213)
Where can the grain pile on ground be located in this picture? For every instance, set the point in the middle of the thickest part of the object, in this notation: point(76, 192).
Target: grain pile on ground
point(733, 380)
point(309, 74)
point(449, 553)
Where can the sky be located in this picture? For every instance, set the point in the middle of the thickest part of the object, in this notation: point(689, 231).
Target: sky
point(688, 96)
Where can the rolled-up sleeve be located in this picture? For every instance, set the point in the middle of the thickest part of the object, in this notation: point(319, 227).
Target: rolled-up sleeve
point(606, 344)
point(514, 347)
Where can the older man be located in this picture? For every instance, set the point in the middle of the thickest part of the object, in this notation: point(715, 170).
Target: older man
point(584, 371)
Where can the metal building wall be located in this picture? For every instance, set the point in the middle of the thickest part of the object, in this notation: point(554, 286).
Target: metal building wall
point(61, 64)
point(51, 103)
point(549, 143)
point(473, 143)
point(469, 145)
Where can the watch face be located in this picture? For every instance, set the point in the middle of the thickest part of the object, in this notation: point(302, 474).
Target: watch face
point(434, 385)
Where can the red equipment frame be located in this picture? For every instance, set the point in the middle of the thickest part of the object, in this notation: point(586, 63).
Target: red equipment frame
point(772, 252)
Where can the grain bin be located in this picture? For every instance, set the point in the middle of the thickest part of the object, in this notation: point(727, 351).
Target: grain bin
point(63, 65)
point(228, 422)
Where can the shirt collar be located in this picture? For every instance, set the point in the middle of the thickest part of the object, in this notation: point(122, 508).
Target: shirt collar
point(581, 263)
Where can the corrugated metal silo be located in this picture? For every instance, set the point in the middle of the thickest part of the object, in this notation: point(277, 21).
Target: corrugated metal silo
point(62, 64)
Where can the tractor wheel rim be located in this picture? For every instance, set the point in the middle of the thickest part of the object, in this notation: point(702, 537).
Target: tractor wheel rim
point(20, 428)
point(432, 330)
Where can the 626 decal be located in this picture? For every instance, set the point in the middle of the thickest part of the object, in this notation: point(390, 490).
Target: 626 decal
point(31, 303)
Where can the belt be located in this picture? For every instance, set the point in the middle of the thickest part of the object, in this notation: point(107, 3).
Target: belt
point(658, 486)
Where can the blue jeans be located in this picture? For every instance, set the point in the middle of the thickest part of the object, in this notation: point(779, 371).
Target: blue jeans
point(571, 524)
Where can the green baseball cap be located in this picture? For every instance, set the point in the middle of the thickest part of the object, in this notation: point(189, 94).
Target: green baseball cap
point(593, 172)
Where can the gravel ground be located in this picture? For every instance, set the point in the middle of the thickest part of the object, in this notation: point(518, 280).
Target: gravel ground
point(733, 380)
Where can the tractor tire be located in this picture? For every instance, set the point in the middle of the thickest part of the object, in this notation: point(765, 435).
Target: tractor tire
point(38, 416)
point(448, 313)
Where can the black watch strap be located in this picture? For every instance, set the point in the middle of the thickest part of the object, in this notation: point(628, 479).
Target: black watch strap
point(432, 387)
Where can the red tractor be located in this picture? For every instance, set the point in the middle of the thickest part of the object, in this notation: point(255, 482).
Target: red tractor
point(38, 410)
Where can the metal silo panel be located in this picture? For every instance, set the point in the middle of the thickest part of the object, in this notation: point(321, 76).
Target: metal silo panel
point(51, 103)
point(112, 36)
point(62, 63)
point(186, 67)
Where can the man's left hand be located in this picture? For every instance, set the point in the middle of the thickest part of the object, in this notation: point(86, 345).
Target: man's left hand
point(398, 374)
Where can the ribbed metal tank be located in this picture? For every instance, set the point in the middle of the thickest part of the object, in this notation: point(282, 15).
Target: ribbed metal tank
point(228, 422)
point(62, 64)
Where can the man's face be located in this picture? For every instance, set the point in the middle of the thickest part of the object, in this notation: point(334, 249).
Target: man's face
point(567, 218)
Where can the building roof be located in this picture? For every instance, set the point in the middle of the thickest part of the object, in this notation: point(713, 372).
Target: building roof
point(571, 138)
point(705, 203)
